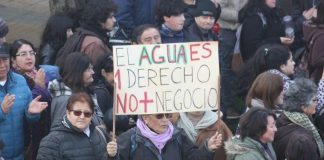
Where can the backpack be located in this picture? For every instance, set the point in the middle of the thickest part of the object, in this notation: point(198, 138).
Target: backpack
point(237, 60)
point(72, 44)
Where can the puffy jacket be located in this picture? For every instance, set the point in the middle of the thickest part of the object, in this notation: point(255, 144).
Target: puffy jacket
point(12, 124)
point(133, 145)
point(66, 142)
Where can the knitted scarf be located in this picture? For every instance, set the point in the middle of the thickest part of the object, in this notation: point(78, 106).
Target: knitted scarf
point(207, 120)
point(159, 140)
point(169, 36)
point(303, 121)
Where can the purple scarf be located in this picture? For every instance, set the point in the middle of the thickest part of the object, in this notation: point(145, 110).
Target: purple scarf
point(159, 140)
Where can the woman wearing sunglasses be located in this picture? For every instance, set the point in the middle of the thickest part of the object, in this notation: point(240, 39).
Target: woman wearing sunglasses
point(23, 62)
point(155, 138)
point(76, 137)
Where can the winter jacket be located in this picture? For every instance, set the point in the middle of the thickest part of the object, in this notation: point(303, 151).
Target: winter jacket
point(66, 142)
point(315, 58)
point(39, 129)
point(132, 13)
point(247, 149)
point(257, 31)
point(12, 124)
point(288, 133)
point(134, 146)
point(229, 16)
point(194, 34)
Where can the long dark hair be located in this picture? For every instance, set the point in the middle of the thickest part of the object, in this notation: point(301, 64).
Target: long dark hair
point(253, 6)
point(254, 123)
point(55, 31)
point(72, 71)
point(269, 56)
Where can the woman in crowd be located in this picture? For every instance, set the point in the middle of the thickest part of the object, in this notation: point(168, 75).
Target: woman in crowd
point(23, 61)
point(314, 36)
point(274, 57)
point(257, 130)
point(76, 137)
point(261, 22)
point(154, 137)
point(299, 104)
point(58, 28)
point(202, 125)
point(266, 92)
point(76, 76)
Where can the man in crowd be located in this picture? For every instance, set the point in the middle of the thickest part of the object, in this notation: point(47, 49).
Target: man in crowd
point(146, 34)
point(170, 16)
point(206, 15)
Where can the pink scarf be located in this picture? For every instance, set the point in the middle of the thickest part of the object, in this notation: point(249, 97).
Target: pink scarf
point(159, 140)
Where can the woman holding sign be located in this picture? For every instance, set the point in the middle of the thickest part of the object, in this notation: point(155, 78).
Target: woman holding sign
point(155, 138)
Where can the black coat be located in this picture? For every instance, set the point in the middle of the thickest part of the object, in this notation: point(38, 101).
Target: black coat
point(134, 146)
point(194, 34)
point(65, 142)
point(256, 32)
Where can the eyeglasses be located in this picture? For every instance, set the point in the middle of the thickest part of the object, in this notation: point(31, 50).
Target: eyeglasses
point(25, 53)
point(160, 116)
point(78, 113)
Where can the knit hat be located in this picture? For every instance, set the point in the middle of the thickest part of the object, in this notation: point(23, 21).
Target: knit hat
point(206, 8)
point(4, 53)
point(3, 28)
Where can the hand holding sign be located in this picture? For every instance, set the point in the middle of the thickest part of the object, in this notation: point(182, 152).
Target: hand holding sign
point(112, 148)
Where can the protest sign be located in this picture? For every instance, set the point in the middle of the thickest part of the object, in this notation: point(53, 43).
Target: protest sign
point(166, 78)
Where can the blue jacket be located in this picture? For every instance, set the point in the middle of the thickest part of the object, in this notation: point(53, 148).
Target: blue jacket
point(12, 124)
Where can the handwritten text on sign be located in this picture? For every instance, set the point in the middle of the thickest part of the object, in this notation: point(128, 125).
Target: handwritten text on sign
point(164, 78)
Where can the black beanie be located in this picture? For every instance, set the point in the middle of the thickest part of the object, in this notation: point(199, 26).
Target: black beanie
point(3, 28)
point(205, 8)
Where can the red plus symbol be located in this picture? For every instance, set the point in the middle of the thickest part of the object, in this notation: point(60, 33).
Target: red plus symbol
point(146, 101)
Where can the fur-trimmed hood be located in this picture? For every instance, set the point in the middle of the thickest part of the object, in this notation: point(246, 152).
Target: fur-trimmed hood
point(234, 147)
point(248, 149)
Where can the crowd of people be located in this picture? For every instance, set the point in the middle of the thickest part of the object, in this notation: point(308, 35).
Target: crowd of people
point(57, 98)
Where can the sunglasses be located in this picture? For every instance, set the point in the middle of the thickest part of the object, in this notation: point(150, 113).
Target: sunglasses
point(160, 116)
point(78, 113)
